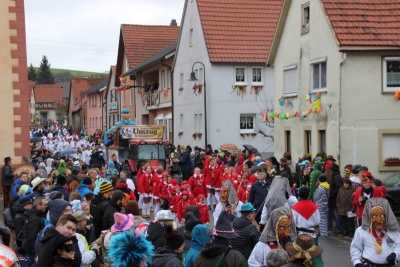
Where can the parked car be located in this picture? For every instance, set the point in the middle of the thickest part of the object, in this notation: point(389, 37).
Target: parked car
point(392, 184)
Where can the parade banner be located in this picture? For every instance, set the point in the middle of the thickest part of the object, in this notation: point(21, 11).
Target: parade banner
point(142, 131)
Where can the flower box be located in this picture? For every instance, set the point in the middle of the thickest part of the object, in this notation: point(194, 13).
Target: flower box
point(391, 163)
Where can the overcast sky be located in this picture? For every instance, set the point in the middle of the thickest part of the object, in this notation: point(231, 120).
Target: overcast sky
point(84, 34)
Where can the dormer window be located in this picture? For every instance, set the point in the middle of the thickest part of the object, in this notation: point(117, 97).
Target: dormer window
point(305, 27)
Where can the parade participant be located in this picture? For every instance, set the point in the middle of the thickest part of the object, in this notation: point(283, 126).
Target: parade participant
point(321, 198)
point(279, 230)
point(302, 252)
point(306, 217)
point(147, 192)
point(182, 206)
point(278, 194)
point(258, 193)
point(377, 241)
point(202, 206)
point(197, 183)
point(316, 172)
point(228, 201)
point(362, 194)
point(209, 174)
point(247, 231)
point(7, 180)
point(156, 180)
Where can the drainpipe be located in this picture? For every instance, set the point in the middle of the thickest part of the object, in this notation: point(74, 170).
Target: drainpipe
point(340, 102)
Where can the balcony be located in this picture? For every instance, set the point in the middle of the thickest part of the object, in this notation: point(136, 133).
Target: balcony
point(157, 99)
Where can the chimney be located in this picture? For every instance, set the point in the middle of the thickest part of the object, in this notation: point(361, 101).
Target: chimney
point(173, 23)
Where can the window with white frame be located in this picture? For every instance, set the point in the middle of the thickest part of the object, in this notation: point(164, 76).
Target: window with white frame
point(247, 122)
point(305, 27)
point(318, 75)
point(307, 141)
point(240, 76)
point(257, 76)
point(322, 140)
point(290, 80)
point(391, 74)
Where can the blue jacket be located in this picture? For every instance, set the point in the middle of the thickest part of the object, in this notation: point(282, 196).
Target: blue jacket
point(200, 237)
point(83, 190)
point(185, 162)
point(17, 183)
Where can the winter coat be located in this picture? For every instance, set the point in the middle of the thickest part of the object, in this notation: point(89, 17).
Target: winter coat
point(200, 237)
point(17, 183)
point(165, 258)
point(124, 188)
point(45, 248)
point(19, 223)
point(204, 214)
point(155, 234)
point(185, 163)
point(7, 177)
point(248, 236)
point(108, 217)
point(83, 190)
point(198, 185)
point(140, 182)
point(33, 224)
point(344, 200)
point(314, 178)
point(97, 210)
point(181, 208)
point(212, 252)
point(258, 193)
point(360, 205)
point(335, 185)
point(63, 262)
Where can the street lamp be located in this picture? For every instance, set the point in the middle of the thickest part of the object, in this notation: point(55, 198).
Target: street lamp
point(193, 78)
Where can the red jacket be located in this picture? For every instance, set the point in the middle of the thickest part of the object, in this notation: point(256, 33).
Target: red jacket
point(140, 183)
point(181, 208)
point(360, 205)
point(204, 215)
point(198, 185)
point(124, 188)
point(174, 202)
point(217, 177)
point(147, 179)
point(154, 184)
point(209, 174)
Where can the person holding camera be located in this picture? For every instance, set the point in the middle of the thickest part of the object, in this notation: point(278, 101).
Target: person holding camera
point(362, 194)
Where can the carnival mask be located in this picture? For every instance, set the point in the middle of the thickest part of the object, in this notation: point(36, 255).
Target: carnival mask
point(378, 217)
point(283, 227)
point(224, 194)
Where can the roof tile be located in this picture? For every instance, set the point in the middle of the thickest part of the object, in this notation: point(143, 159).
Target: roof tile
point(237, 31)
point(365, 22)
point(48, 93)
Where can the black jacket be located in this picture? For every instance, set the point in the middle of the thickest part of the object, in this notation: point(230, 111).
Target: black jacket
point(7, 176)
point(258, 193)
point(165, 258)
point(33, 224)
point(97, 208)
point(61, 189)
point(108, 217)
point(248, 236)
point(19, 223)
point(155, 234)
point(212, 252)
point(45, 249)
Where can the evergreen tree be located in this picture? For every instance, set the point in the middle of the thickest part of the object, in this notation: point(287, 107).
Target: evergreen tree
point(45, 76)
point(32, 75)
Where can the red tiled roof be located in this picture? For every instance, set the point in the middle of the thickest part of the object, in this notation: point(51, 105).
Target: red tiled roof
point(239, 31)
point(79, 85)
point(365, 22)
point(143, 41)
point(48, 93)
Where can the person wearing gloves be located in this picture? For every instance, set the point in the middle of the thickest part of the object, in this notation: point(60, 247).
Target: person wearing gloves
point(377, 241)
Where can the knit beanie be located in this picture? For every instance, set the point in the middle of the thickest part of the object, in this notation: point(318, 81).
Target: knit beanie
point(193, 209)
point(56, 209)
point(173, 238)
point(105, 187)
point(61, 167)
point(304, 192)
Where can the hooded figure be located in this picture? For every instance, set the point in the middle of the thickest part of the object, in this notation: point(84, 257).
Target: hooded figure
point(200, 237)
point(278, 194)
point(314, 177)
point(279, 230)
point(377, 241)
point(227, 199)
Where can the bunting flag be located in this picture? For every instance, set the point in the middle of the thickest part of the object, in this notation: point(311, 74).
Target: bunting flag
point(123, 88)
point(314, 100)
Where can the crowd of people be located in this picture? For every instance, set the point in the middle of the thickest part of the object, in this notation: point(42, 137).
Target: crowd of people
point(227, 209)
